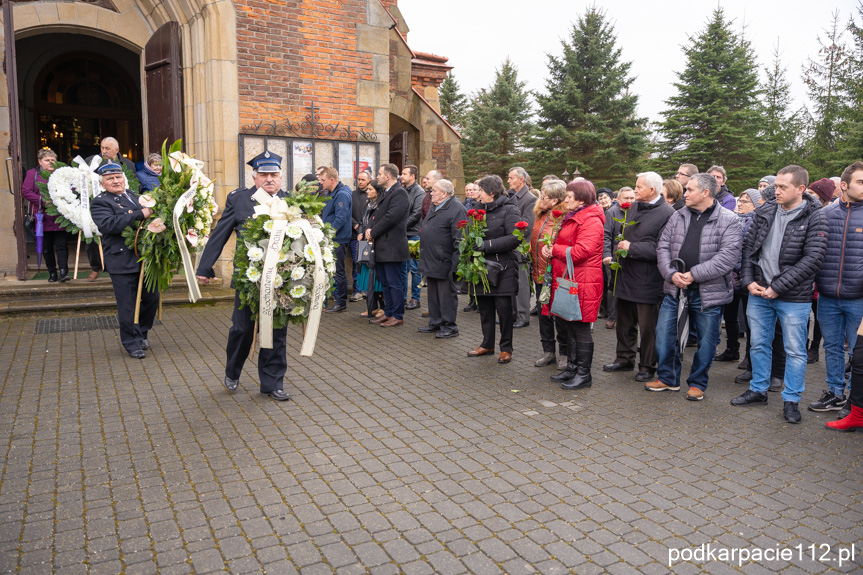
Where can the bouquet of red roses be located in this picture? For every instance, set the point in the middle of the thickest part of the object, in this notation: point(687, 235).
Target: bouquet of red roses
point(471, 261)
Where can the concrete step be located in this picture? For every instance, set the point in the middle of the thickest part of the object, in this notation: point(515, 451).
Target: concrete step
point(41, 296)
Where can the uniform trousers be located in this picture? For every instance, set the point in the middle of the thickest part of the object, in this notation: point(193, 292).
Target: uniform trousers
point(126, 294)
point(443, 302)
point(272, 363)
point(503, 305)
point(634, 320)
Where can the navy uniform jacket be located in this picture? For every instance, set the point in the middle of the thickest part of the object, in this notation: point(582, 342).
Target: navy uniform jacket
point(112, 214)
point(238, 208)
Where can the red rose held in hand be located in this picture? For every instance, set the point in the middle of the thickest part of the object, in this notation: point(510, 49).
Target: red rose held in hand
point(461, 224)
point(556, 213)
point(480, 212)
point(471, 213)
point(625, 205)
point(521, 225)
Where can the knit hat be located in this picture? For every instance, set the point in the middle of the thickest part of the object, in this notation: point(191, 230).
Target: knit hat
point(769, 193)
point(769, 179)
point(753, 194)
point(824, 188)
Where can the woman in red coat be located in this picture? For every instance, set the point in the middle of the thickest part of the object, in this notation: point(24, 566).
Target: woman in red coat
point(582, 230)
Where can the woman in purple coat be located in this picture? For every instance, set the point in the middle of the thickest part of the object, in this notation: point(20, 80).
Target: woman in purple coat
point(55, 238)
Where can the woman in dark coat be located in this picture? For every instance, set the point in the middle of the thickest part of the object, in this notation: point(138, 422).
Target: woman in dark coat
point(582, 234)
point(498, 246)
point(365, 273)
point(54, 238)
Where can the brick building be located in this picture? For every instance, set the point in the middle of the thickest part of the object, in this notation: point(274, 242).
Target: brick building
point(321, 82)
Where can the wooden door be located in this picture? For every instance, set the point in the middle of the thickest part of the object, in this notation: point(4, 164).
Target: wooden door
point(164, 86)
point(13, 162)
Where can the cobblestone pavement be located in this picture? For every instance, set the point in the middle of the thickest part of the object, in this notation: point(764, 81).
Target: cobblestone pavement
point(398, 454)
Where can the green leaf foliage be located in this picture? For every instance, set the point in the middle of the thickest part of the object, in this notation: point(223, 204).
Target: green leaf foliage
point(454, 105)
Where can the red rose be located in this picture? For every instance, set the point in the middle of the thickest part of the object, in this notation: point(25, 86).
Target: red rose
point(480, 212)
point(556, 213)
point(461, 224)
point(625, 206)
point(521, 225)
point(471, 213)
point(478, 217)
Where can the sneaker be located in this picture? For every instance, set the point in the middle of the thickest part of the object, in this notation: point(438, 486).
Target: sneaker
point(828, 402)
point(749, 397)
point(791, 413)
point(694, 394)
point(357, 296)
point(659, 386)
point(728, 355)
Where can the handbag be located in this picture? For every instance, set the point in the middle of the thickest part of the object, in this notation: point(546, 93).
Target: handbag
point(565, 304)
point(364, 250)
point(494, 271)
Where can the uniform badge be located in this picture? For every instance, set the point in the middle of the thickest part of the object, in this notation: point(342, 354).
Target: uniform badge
point(130, 211)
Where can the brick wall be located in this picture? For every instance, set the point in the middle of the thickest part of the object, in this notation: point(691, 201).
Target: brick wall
point(291, 54)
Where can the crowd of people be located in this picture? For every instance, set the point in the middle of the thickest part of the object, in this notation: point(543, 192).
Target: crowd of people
point(665, 263)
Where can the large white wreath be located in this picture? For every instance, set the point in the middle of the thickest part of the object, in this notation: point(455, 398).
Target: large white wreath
point(64, 187)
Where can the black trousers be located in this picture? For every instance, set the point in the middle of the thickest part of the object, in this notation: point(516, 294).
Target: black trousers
point(126, 294)
point(272, 363)
point(856, 393)
point(93, 256)
point(634, 320)
point(503, 305)
point(576, 332)
point(548, 324)
point(732, 325)
point(443, 302)
point(58, 242)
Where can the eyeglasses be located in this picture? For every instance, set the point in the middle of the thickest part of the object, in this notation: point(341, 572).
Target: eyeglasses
point(744, 201)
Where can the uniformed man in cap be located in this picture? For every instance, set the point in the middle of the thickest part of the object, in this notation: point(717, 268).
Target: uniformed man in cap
point(272, 363)
point(113, 211)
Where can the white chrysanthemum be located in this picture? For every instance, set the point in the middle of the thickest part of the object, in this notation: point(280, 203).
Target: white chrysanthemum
point(64, 187)
point(268, 226)
point(327, 255)
point(253, 273)
point(298, 310)
point(298, 291)
point(283, 257)
point(293, 212)
point(308, 252)
point(317, 235)
point(318, 220)
point(278, 281)
point(298, 273)
point(199, 224)
point(293, 231)
point(256, 254)
point(330, 267)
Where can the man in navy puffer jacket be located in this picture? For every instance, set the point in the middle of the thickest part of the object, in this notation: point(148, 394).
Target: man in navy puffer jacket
point(840, 285)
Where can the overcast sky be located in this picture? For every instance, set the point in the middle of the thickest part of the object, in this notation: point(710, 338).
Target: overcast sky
point(477, 35)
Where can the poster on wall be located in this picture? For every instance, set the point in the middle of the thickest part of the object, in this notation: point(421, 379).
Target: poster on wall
point(303, 164)
point(346, 162)
point(365, 164)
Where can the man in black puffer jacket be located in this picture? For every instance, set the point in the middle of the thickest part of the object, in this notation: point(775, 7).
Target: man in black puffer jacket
point(783, 250)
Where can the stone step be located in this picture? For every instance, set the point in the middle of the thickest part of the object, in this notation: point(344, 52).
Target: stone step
point(41, 296)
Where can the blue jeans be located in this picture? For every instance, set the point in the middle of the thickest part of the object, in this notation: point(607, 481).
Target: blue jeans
point(706, 322)
point(839, 319)
point(794, 317)
point(412, 266)
point(355, 265)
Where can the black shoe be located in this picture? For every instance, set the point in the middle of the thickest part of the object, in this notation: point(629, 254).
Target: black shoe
point(745, 365)
point(535, 311)
point(776, 384)
point(336, 308)
point(791, 413)
point(645, 375)
point(811, 357)
point(277, 394)
point(428, 328)
point(828, 402)
point(519, 324)
point(445, 334)
point(469, 307)
point(744, 377)
point(750, 397)
point(413, 304)
point(138, 354)
point(692, 342)
point(145, 344)
point(52, 277)
point(728, 355)
point(618, 366)
point(845, 411)
point(64, 275)
point(566, 374)
point(584, 361)
point(231, 384)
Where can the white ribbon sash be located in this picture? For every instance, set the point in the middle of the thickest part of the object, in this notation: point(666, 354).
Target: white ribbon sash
point(268, 281)
point(188, 268)
point(319, 291)
point(87, 172)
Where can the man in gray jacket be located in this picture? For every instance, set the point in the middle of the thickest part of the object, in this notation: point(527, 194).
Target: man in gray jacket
point(524, 200)
point(696, 254)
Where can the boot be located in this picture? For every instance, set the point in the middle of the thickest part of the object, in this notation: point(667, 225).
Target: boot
point(584, 360)
point(52, 275)
point(850, 423)
point(64, 275)
point(571, 363)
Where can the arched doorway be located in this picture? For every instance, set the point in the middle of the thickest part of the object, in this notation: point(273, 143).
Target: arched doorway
point(75, 90)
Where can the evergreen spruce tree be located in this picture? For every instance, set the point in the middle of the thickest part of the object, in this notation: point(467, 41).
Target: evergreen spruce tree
point(453, 104)
point(823, 78)
point(588, 117)
point(497, 126)
point(783, 128)
point(850, 131)
point(715, 117)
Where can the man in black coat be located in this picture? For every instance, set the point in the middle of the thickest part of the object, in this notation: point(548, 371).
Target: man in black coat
point(639, 283)
point(272, 363)
point(113, 211)
point(782, 252)
point(388, 233)
point(439, 241)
